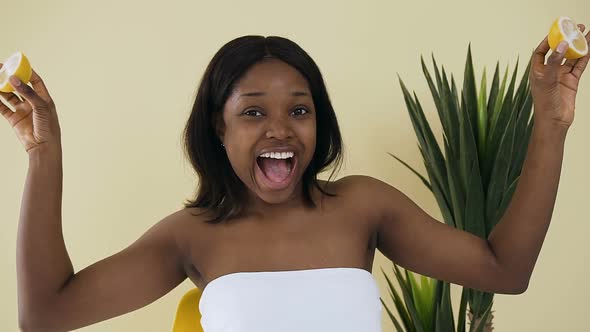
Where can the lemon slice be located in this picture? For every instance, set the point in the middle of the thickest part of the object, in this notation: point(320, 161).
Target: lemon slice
point(564, 28)
point(18, 65)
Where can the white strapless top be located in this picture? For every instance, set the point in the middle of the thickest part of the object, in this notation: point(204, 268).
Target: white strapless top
point(338, 299)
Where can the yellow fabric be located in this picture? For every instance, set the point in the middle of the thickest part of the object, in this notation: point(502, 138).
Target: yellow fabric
point(188, 316)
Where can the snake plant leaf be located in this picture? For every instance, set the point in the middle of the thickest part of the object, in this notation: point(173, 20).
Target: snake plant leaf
point(424, 134)
point(436, 72)
point(521, 148)
point(478, 302)
point(491, 149)
point(475, 222)
point(462, 311)
point(467, 146)
point(494, 91)
point(444, 313)
point(522, 137)
point(432, 147)
point(438, 95)
point(407, 295)
point(523, 87)
point(423, 299)
point(440, 195)
point(474, 300)
point(498, 182)
point(469, 97)
point(484, 318)
point(506, 198)
point(452, 106)
point(482, 115)
point(455, 105)
point(504, 115)
point(399, 304)
point(495, 111)
point(394, 320)
point(412, 112)
point(423, 179)
point(457, 197)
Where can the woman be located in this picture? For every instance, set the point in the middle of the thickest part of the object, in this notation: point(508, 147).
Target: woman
point(274, 248)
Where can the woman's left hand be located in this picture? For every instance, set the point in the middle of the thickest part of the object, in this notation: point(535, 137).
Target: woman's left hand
point(554, 86)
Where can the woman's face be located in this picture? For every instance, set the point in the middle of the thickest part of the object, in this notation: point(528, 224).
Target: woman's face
point(269, 130)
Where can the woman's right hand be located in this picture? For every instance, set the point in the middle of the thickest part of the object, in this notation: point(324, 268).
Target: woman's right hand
point(35, 118)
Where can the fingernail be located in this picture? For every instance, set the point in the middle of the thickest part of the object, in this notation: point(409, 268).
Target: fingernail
point(15, 81)
point(562, 47)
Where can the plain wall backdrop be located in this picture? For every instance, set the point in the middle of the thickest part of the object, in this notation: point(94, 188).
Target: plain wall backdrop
point(124, 74)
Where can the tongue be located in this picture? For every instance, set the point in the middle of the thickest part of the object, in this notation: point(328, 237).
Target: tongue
point(276, 170)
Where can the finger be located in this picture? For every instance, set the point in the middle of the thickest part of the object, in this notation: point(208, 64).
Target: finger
point(581, 63)
point(5, 111)
point(555, 60)
point(28, 93)
point(540, 53)
point(39, 86)
point(11, 99)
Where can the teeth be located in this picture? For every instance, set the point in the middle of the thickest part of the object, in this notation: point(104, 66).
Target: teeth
point(277, 155)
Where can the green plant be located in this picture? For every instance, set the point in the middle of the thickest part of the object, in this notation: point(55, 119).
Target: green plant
point(485, 141)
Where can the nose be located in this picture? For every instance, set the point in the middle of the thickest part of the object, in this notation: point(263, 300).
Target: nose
point(279, 128)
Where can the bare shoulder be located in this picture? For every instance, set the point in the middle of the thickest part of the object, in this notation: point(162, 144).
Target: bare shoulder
point(187, 222)
point(376, 198)
point(363, 186)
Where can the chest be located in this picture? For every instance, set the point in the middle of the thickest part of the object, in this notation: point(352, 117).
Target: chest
point(293, 241)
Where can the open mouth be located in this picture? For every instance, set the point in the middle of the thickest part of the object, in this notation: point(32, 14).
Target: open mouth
point(276, 172)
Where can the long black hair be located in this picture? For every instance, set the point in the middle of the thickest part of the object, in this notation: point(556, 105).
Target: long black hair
point(220, 191)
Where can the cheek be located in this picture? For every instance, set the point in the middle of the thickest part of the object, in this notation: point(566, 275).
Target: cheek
point(239, 142)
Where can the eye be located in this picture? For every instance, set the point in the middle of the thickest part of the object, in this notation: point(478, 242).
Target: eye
point(253, 113)
point(300, 111)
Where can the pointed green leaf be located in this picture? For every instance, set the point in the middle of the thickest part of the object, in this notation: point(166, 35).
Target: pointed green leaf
point(399, 304)
point(440, 195)
point(439, 99)
point(492, 146)
point(424, 304)
point(470, 92)
point(494, 91)
point(475, 221)
point(506, 199)
point(499, 178)
point(506, 112)
point(462, 310)
point(457, 197)
point(444, 314)
point(482, 115)
point(450, 109)
point(521, 140)
point(426, 183)
point(481, 326)
point(411, 306)
point(396, 324)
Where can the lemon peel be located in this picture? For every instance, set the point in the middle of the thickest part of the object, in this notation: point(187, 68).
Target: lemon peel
point(18, 65)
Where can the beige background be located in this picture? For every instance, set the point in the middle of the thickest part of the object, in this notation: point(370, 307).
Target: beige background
point(124, 73)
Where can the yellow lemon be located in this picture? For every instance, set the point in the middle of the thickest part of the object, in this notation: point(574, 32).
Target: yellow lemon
point(18, 65)
point(564, 28)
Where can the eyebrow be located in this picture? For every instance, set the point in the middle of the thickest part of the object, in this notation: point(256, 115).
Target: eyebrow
point(256, 94)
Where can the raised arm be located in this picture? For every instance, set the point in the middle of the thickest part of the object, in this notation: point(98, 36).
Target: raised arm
point(51, 297)
point(54, 298)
